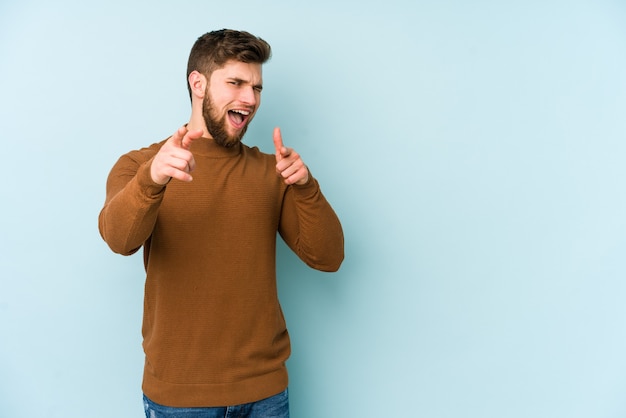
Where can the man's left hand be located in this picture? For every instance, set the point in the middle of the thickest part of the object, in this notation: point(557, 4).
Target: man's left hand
point(289, 165)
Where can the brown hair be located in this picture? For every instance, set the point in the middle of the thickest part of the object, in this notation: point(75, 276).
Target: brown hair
point(213, 49)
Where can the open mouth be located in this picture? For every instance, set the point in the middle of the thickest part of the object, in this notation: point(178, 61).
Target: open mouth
point(238, 117)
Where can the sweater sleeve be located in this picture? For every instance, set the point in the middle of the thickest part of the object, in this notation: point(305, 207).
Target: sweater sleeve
point(132, 203)
point(310, 227)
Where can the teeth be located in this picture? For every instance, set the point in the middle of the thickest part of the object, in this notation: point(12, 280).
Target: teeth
point(241, 112)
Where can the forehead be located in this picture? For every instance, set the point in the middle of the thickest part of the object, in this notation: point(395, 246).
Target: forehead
point(243, 71)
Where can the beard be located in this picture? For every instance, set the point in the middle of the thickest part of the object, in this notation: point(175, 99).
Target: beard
point(217, 126)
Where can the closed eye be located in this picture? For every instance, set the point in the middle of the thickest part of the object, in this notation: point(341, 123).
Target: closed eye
point(238, 82)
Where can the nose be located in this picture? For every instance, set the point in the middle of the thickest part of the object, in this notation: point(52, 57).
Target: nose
point(248, 95)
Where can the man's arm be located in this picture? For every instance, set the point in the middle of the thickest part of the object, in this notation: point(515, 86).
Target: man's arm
point(311, 228)
point(132, 203)
point(308, 223)
point(135, 190)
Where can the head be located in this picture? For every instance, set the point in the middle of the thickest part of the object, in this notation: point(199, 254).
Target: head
point(229, 63)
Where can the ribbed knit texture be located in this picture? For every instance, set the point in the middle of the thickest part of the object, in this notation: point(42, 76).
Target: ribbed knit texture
point(214, 333)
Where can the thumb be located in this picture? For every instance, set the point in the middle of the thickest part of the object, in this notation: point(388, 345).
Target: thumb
point(189, 137)
point(278, 143)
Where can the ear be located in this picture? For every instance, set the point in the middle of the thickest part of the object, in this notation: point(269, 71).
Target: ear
point(198, 84)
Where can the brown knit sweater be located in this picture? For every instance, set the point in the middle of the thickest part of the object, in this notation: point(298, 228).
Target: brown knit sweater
point(214, 333)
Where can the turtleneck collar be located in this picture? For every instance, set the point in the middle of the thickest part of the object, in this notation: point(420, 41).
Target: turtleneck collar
point(209, 148)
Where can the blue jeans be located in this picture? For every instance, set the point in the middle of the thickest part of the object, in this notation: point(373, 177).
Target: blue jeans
point(276, 406)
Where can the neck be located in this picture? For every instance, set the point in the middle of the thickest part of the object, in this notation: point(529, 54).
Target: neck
point(196, 120)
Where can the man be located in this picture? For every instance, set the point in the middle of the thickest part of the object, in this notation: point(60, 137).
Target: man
point(206, 209)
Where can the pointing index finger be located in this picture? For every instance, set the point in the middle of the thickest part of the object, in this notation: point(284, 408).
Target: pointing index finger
point(183, 138)
point(177, 138)
point(278, 144)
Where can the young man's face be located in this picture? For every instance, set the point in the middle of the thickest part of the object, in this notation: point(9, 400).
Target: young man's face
point(231, 100)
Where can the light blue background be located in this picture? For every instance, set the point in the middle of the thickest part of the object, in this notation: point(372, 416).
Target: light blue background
point(475, 152)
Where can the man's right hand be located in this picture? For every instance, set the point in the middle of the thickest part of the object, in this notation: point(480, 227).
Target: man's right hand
point(174, 160)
